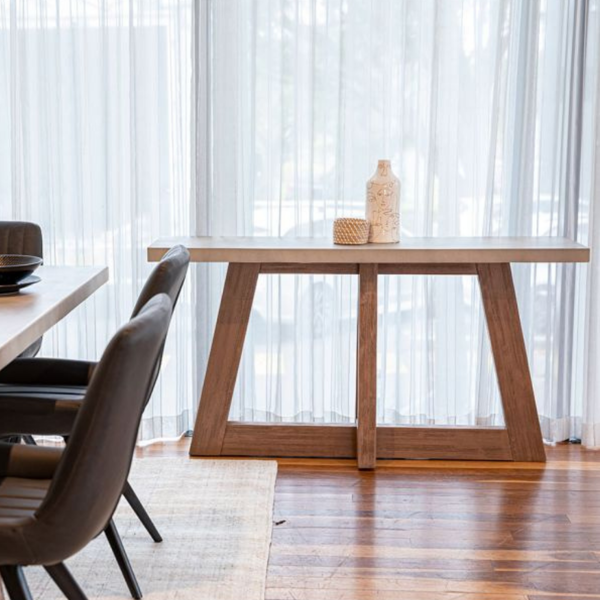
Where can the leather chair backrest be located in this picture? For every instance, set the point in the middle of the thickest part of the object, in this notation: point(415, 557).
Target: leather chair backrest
point(168, 278)
point(20, 237)
point(92, 472)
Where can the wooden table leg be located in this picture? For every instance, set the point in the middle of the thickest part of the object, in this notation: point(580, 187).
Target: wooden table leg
point(510, 358)
point(366, 368)
point(224, 359)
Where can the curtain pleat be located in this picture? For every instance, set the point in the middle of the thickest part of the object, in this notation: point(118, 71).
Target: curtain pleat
point(95, 142)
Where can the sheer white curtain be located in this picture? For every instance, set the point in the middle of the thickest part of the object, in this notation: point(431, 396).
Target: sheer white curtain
point(590, 200)
point(487, 110)
point(95, 147)
point(124, 121)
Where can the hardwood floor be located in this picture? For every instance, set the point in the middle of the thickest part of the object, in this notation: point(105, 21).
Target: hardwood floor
point(432, 530)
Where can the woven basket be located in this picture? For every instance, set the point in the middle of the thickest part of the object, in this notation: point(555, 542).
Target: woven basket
point(350, 231)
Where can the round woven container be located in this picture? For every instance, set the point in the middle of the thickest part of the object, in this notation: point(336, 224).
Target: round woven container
point(350, 231)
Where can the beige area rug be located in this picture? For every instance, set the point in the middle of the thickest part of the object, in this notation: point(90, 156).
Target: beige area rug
point(215, 517)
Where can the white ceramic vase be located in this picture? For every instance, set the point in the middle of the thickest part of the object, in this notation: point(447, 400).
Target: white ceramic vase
point(383, 205)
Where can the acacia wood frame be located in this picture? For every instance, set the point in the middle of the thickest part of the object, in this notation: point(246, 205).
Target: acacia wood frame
point(520, 440)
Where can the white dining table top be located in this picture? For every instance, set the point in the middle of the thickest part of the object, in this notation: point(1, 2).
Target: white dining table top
point(431, 250)
point(26, 316)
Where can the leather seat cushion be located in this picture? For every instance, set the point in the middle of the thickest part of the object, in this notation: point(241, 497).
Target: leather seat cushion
point(20, 498)
point(38, 410)
point(11, 389)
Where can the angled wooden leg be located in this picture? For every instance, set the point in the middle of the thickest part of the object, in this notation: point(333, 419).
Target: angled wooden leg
point(510, 358)
point(366, 368)
point(224, 359)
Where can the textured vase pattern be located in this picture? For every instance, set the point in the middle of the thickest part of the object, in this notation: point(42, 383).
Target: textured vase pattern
point(383, 205)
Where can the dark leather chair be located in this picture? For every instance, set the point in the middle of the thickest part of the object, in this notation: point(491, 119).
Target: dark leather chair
point(20, 237)
point(53, 502)
point(42, 396)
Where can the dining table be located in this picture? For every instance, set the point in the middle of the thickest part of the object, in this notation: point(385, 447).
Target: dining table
point(488, 259)
point(28, 314)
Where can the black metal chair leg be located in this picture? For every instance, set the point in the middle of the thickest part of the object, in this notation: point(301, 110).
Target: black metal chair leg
point(14, 581)
point(140, 511)
point(66, 582)
point(114, 539)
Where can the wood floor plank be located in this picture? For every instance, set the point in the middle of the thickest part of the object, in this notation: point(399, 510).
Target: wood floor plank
point(302, 594)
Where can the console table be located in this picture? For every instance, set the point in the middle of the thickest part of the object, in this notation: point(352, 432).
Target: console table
point(488, 259)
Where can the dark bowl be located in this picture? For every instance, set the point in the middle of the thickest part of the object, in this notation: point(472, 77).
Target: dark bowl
point(16, 267)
